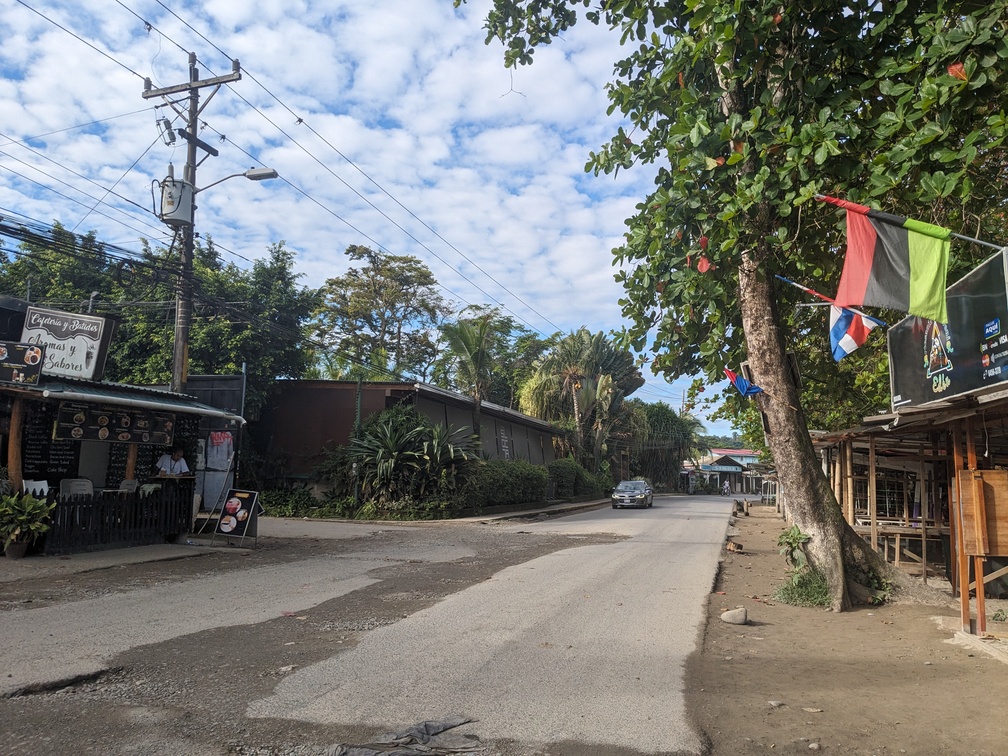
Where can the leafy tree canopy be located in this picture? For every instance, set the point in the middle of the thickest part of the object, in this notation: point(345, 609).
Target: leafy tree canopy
point(389, 305)
point(747, 111)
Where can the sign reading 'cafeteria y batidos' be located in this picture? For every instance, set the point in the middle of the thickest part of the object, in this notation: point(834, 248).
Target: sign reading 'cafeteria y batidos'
point(73, 342)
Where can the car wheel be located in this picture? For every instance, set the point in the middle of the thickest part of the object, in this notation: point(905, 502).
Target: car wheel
point(614, 506)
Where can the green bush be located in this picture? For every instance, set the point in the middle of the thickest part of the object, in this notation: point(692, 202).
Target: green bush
point(286, 502)
point(564, 473)
point(506, 483)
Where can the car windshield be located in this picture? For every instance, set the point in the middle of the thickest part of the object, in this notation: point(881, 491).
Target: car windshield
point(631, 485)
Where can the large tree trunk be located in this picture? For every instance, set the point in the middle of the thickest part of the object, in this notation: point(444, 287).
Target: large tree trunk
point(835, 549)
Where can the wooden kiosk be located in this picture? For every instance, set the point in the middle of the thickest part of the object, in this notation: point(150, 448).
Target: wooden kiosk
point(932, 475)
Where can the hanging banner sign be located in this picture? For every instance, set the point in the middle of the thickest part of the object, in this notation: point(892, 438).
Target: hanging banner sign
point(74, 344)
point(21, 363)
point(96, 422)
point(930, 361)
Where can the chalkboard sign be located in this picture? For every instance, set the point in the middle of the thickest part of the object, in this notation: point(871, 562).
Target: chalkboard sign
point(42, 457)
point(241, 509)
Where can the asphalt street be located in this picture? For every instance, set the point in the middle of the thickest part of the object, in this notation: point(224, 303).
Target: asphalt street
point(584, 645)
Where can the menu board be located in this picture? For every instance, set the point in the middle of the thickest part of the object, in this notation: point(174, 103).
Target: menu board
point(95, 422)
point(241, 508)
point(42, 457)
point(21, 363)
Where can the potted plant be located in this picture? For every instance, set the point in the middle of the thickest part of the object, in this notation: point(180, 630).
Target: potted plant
point(23, 518)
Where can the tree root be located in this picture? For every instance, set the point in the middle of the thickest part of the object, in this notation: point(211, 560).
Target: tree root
point(863, 594)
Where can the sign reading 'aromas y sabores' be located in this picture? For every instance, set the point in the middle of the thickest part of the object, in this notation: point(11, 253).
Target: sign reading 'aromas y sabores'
point(73, 342)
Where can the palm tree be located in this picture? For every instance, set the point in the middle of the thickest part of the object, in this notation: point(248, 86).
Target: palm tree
point(469, 344)
point(567, 381)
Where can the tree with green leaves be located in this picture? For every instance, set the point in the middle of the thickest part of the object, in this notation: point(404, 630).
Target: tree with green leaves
point(748, 111)
point(566, 382)
point(389, 304)
point(256, 317)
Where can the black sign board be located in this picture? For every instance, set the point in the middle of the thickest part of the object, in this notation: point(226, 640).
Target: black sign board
point(95, 422)
point(929, 361)
point(21, 363)
point(42, 457)
point(241, 509)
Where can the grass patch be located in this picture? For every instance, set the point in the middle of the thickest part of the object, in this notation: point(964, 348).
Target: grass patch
point(805, 588)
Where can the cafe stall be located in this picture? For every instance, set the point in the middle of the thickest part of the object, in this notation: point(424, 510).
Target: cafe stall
point(90, 445)
point(927, 483)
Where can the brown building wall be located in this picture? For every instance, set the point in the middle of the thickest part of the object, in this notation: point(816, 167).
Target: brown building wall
point(305, 418)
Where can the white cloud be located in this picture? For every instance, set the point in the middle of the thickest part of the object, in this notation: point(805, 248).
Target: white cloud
point(491, 160)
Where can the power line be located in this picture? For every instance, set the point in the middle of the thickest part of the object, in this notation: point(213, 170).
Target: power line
point(301, 121)
point(80, 39)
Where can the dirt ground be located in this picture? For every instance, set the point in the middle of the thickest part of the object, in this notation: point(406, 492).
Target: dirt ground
point(877, 680)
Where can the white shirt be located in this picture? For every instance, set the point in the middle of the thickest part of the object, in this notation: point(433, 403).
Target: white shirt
point(171, 466)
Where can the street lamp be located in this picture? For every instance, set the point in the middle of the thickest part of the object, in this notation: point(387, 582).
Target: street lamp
point(178, 208)
point(252, 174)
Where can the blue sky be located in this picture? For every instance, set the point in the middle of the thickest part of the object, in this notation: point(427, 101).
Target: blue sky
point(413, 138)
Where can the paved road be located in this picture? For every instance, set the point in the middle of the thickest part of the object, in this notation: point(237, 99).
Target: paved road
point(584, 645)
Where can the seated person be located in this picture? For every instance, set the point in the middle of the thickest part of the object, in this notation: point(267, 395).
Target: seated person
point(172, 464)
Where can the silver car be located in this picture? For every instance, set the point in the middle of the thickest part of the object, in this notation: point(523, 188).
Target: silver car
point(632, 493)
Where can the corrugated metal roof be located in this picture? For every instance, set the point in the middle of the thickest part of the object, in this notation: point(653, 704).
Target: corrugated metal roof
point(123, 394)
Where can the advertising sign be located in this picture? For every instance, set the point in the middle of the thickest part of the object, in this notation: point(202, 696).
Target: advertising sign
point(90, 422)
point(241, 508)
point(929, 361)
point(73, 342)
point(20, 363)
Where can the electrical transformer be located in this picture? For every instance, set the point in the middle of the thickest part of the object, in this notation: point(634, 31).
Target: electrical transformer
point(176, 202)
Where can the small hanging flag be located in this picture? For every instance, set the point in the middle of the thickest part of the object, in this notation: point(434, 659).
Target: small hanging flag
point(893, 262)
point(744, 387)
point(848, 330)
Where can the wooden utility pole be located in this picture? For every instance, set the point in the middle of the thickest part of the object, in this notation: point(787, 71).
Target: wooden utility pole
point(184, 290)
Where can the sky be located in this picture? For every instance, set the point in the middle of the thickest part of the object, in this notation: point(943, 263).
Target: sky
point(391, 125)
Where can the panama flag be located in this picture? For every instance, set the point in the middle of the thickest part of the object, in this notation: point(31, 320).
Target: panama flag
point(848, 330)
point(893, 262)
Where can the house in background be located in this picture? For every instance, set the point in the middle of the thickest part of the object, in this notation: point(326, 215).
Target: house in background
point(304, 419)
point(734, 466)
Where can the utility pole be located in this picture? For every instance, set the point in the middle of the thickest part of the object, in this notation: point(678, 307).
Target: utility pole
point(184, 290)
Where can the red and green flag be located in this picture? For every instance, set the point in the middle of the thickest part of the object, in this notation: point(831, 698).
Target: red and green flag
point(893, 262)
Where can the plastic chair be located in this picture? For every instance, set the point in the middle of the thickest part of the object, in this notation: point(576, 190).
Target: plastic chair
point(76, 487)
point(37, 488)
point(128, 486)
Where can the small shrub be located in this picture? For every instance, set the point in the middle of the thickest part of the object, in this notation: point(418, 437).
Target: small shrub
point(506, 483)
point(792, 547)
point(805, 588)
point(288, 502)
point(564, 473)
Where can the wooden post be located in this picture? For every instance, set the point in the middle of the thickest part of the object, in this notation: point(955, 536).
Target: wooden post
point(872, 493)
point(922, 484)
point(131, 459)
point(14, 463)
point(849, 479)
point(961, 559)
point(978, 561)
point(953, 526)
point(838, 479)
